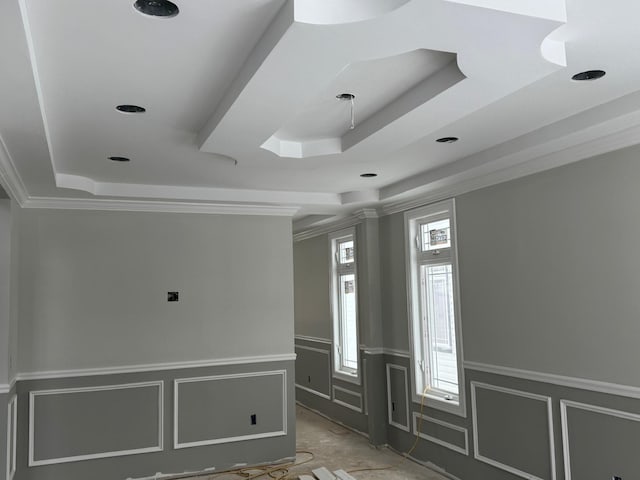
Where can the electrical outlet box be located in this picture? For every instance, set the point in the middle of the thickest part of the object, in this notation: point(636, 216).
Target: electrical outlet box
point(309, 379)
point(172, 296)
point(254, 419)
point(615, 477)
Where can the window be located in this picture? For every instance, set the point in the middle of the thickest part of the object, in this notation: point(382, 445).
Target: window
point(344, 298)
point(434, 307)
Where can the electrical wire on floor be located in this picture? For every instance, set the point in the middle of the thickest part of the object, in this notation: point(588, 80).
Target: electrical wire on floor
point(276, 472)
point(282, 471)
point(408, 453)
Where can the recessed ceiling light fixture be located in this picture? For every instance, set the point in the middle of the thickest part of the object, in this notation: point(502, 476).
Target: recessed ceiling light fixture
point(157, 8)
point(349, 97)
point(447, 140)
point(120, 159)
point(588, 75)
point(368, 175)
point(130, 109)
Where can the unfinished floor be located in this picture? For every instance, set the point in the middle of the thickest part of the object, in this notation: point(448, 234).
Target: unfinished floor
point(336, 447)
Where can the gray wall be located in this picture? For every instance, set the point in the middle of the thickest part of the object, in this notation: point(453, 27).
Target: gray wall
point(550, 262)
point(311, 279)
point(549, 275)
point(5, 269)
point(394, 282)
point(111, 417)
point(93, 288)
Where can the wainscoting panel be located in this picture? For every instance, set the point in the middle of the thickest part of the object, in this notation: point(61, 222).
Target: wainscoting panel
point(513, 431)
point(442, 433)
point(398, 396)
point(229, 408)
point(313, 370)
point(12, 428)
point(599, 442)
point(347, 398)
point(72, 424)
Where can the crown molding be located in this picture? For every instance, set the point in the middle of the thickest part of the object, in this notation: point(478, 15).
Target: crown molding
point(366, 213)
point(9, 176)
point(338, 224)
point(156, 206)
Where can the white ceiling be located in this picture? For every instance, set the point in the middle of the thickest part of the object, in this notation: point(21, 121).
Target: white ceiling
point(254, 82)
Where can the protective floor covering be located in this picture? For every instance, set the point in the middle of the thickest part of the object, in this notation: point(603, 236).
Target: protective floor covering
point(335, 447)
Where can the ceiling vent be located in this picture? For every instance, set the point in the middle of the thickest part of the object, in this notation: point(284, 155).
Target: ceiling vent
point(157, 8)
point(130, 109)
point(589, 75)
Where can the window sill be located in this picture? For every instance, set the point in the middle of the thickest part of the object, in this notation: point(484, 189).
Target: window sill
point(347, 377)
point(439, 403)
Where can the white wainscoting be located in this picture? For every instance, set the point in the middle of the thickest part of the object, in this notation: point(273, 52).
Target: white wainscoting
point(116, 453)
point(12, 430)
point(329, 376)
point(403, 369)
point(215, 378)
point(431, 438)
point(564, 381)
point(508, 468)
point(345, 404)
point(564, 405)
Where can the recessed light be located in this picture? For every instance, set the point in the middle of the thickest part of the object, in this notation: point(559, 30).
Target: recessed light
point(120, 159)
point(368, 175)
point(447, 140)
point(589, 75)
point(157, 8)
point(130, 109)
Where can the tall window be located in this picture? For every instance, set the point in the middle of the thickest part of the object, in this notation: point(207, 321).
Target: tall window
point(434, 307)
point(344, 304)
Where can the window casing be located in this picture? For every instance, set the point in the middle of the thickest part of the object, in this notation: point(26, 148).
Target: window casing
point(434, 307)
point(344, 305)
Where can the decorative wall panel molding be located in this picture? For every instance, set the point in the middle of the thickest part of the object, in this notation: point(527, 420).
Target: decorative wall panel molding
point(451, 446)
point(12, 430)
point(477, 447)
point(390, 397)
point(60, 419)
point(565, 405)
point(326, 395)
point(234, 406)
point(342, 392)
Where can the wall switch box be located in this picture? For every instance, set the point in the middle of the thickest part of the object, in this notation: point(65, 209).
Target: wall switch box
point(172, 296)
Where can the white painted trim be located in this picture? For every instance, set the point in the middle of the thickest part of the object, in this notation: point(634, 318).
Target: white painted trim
point(176, 399)
point(407, 427)
point(411, 220)
point(335, 270)
point(429, 438)
point(345, 404)
point(385, 351)
point(519, 393)
point(397, 353)
point(314, 392)
point(12, 436)
point(564, 404)
point(372, 350)
point(332, 226)
point(9, 176)
point(61, 203)
point(117, 453)
point(564, 381)
point(88, 372)
point(326, 396)
point(312, 339)
point(4, 388)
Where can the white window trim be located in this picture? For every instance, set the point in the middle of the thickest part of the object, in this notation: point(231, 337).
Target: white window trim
point(339, 374)
point(413, 310)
